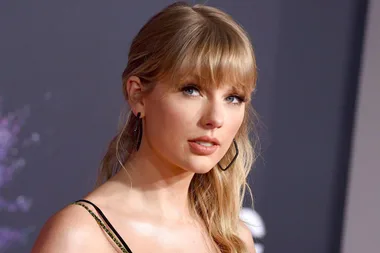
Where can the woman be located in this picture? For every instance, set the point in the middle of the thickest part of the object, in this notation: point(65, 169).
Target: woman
point(174, 177)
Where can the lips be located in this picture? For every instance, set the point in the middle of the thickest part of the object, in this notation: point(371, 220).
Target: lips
point(214, 141)
point(204, 145)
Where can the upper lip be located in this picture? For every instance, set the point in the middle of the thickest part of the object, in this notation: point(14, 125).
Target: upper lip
point(207, 139)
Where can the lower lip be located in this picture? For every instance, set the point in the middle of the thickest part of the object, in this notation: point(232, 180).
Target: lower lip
point(199, 149)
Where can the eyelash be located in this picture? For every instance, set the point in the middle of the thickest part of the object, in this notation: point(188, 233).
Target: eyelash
point(241, 99)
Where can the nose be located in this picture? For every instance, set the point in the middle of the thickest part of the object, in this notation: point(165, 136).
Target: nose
point(213, 116)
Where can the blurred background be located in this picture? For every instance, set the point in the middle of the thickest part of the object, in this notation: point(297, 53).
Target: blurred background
point(315, 185)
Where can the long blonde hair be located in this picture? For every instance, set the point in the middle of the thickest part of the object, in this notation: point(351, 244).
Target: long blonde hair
point(207, 44)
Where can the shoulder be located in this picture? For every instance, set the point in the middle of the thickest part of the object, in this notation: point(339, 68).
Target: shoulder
point(246, 235)
point(69, 230)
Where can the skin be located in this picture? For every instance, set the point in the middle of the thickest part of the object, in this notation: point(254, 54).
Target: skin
point(148, 206)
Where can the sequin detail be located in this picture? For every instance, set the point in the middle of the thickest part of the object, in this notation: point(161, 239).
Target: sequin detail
point(104, 227)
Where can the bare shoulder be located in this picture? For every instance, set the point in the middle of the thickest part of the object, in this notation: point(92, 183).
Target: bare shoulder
point(72, 229)
point(246, 235)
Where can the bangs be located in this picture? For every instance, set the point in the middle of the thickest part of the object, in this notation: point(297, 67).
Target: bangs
point(214, 58)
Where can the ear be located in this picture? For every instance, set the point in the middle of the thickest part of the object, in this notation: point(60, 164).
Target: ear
point(134, 90)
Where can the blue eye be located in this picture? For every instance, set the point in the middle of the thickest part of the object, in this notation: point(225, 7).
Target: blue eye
point(190, 90)
point(235, 100)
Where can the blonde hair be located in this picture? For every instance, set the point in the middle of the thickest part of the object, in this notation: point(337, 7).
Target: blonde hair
point(204, 43)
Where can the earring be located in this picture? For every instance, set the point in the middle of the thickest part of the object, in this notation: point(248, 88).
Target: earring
point(233, 159)
point(138, 130)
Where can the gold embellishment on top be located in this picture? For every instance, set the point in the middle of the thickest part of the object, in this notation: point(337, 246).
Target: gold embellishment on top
point(101, 224)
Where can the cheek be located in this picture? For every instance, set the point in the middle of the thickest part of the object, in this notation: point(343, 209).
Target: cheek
point(168, 120)
point(177, 115)
point(233, 121)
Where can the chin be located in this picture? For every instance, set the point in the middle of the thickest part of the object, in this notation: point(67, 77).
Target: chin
point(199, 166)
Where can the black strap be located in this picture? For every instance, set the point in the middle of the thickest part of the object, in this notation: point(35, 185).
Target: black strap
point(108, 223)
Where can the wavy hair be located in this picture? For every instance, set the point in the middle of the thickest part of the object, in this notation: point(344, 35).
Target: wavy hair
point(207, 44)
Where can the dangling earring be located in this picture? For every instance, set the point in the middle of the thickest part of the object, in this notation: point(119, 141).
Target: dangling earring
point(138, 130)
point(233, 159)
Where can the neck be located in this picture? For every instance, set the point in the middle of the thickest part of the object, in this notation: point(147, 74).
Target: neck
point(157, 187)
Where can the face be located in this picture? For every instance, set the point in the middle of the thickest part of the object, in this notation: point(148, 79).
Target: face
point(192, 128)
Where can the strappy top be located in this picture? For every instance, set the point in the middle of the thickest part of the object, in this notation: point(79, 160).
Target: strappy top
point(110, 230)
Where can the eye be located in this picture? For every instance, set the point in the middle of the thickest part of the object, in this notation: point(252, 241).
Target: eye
point(235, 99)
point(190, 90)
